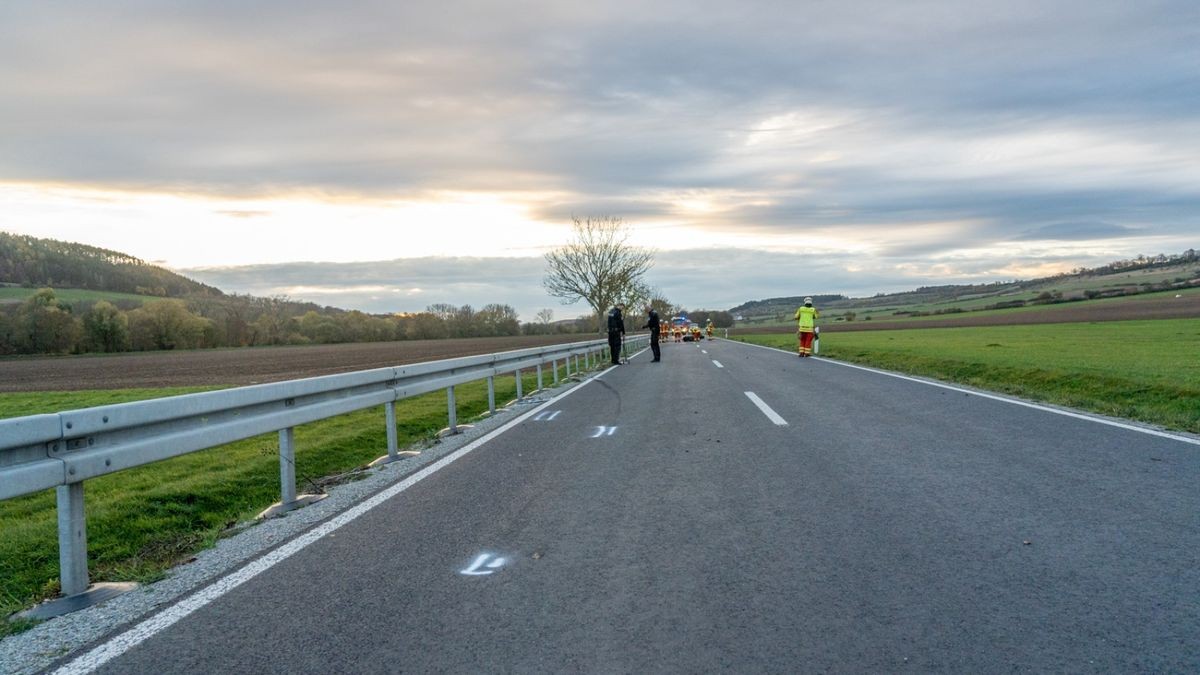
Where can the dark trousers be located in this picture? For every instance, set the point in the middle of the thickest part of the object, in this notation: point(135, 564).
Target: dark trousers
point(614, 346)
point(654, 345)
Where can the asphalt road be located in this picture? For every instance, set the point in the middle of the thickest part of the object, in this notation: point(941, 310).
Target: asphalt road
point(658, 520)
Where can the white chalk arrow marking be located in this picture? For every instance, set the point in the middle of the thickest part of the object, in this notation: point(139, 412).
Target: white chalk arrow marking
point(481, 566)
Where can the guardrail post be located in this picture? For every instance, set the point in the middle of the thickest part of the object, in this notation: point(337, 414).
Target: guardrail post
point(492, 394)
point(554, 365)
point(393, 444)
point(389, 412)
point(287, 464)
point(78, 593)
point(72, 539)
point(452, 414)
point(539, 372)
point(577, 363)
point(519, 386)
point(289, 500)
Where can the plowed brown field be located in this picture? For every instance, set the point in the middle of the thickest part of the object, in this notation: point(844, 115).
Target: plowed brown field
point(244, 366)
point(1161, 307)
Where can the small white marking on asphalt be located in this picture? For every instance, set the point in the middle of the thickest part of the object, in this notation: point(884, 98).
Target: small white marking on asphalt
point(717, 363)
point(604, 431)
point(481, 566)
point(547, 416)
point(994, 397)
point(703, 351)
point(157, 623)
point(766, 409)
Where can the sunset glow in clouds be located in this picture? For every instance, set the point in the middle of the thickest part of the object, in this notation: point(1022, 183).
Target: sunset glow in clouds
point(388, 156)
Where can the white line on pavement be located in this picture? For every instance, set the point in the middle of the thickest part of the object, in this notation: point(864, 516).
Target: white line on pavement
point(717, 363)
point(766, 409)
point(995, 397)
point(147, 629)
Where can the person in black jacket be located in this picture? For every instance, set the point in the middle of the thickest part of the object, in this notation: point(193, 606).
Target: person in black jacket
point(616, 331)
point(652, 324)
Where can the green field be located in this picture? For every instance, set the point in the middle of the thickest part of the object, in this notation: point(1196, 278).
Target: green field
point(1140, 370)
point(971, 305)
point(884, 307)
point(16, 294)
point(971, 308)
point(142, 521)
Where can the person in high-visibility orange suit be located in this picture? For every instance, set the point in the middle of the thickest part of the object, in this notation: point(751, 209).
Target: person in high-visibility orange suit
point(708, 329)
point(806, 323)
point(695, 333)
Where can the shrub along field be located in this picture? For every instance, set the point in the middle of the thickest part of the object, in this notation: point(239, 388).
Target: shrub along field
point(142, 521)
point(1141, 370)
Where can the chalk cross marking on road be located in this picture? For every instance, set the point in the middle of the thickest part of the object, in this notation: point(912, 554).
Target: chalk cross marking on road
point(482, 566)
point(703, 351)
point(547, 415)
point(604, 431)
point(766, 409)
point(717, 363)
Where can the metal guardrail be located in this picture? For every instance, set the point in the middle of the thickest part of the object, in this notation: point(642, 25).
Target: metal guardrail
point(65, 449)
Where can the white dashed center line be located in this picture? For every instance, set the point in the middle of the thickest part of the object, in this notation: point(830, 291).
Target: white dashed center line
point(766, 409)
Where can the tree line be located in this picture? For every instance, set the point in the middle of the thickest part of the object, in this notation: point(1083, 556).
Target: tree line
point(598, 266)
point(45, 324)
point(1141, 262)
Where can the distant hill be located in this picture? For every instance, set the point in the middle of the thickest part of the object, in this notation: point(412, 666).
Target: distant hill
point(60, 297)
point(1125, 277)
point(33, 262)
point(770, 305)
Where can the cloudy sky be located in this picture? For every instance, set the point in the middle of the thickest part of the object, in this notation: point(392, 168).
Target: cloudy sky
point(390, 155)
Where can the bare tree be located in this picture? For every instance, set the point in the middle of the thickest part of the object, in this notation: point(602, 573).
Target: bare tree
point(662, 305)
point(635, 297)
point(598, 266)
point(545, 315)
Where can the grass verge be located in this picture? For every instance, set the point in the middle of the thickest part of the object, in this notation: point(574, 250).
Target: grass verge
point(142, 521)
point(1140, 370)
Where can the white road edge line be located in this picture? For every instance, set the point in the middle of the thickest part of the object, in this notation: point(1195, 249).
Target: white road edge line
point(995, 397)
point(147, 629)
point(717, 363)
point(766, 409)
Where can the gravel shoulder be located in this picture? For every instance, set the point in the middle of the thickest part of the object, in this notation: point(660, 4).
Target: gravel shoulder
point(48, 642)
